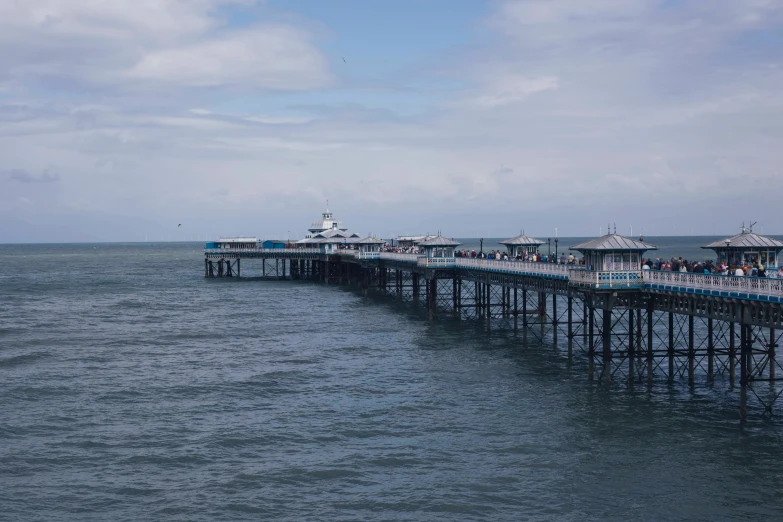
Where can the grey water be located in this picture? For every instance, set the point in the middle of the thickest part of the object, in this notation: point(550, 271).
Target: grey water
point(131, 388)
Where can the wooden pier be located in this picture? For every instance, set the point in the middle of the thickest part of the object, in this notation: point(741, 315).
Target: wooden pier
point(632, 325)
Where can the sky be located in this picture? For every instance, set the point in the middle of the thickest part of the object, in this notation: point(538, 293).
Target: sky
point(121, 120)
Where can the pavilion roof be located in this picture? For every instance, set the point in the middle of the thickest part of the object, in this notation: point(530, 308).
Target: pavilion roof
point(746, 240)
point(522, 240)
point(439, 241)
point(614, 242)
point(370, 241)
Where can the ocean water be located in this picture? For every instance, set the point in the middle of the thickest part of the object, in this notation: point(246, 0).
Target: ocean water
point(134, 389)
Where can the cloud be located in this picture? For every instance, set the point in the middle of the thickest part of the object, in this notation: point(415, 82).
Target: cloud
point(22, 176)
point(127, 44)
point(505, 89)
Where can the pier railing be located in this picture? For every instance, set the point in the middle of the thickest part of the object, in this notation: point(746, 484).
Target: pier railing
point(515, 267)
point(367, 255)
point(261, 250)
point(436, 262)
point(721, 285)
point(394, 256)
point(606, 278)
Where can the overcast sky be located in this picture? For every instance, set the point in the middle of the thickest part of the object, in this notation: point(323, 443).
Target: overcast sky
point(121, 119)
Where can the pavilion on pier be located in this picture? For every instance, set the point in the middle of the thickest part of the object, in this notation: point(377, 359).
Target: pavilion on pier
point(613, 252)
point(748, 248)
point(328, 234)
point(522, 246)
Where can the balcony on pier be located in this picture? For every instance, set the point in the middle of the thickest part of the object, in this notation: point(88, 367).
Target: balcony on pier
point(748, 248)
point(522, 246)
point(438, 253)
point(369, 248)
point(612, 261)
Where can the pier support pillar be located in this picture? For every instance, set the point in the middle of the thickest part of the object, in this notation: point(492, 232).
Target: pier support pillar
point(691, 351)
point(591, 344)
point(631, 347)
point(607, 345)
point(454, 297)
point(554, 318)
point(433, 298)
point(710, 346)
point(415, 279)
point(771, 354)
point(732, 353)
point(650, 369)
point(239, 273)
point(671, 347)
point(744, 371)
point(542, 307)
point(516, 311)
point(488, 304)
point(206, 267)
point(570, 325)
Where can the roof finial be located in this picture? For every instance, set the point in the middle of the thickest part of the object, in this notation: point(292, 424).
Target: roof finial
point(615, 228)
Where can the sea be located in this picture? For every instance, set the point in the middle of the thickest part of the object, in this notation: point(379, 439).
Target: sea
point(131, 388)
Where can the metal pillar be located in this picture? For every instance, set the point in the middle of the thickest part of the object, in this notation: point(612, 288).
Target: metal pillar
point(433, 284)
point(607, 345)
point(691, 351)
point(454, 294)
point(516, 311)
point(631, 352)
point(649, 344)
point(591, 345)
point(710, 347)
point(732, 354)
point(570, 325)
point(488, 288)
point(744, 371)
point(238, 271)
point(771, 354)
point(671, 346)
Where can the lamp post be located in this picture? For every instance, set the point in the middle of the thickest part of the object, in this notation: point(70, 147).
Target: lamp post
point(481, 248)
point(549, 251)
point(556, 246)
point(728, 260)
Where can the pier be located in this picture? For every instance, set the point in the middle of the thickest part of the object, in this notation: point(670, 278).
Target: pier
point(633, 324)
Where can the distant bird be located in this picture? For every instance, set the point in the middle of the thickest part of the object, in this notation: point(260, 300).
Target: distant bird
point(179, 225)
point(343, 59)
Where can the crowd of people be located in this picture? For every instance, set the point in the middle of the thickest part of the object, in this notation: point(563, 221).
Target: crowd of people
point(536, 257)
point(679, 264)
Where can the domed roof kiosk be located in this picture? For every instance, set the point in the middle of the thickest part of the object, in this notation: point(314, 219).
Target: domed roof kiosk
point(521, 246)
point(613, 253)
point(438, 252)
point(369, 247)
point(748, 248)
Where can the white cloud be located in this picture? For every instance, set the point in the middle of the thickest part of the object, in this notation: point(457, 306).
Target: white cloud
point(504, 89)
point(121, 43)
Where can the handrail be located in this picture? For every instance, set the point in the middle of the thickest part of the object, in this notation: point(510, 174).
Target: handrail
point(515, 267)
point(262, 250)
point(436, 262)
point(394, 256)
point(606, 278)
point(716, 282)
